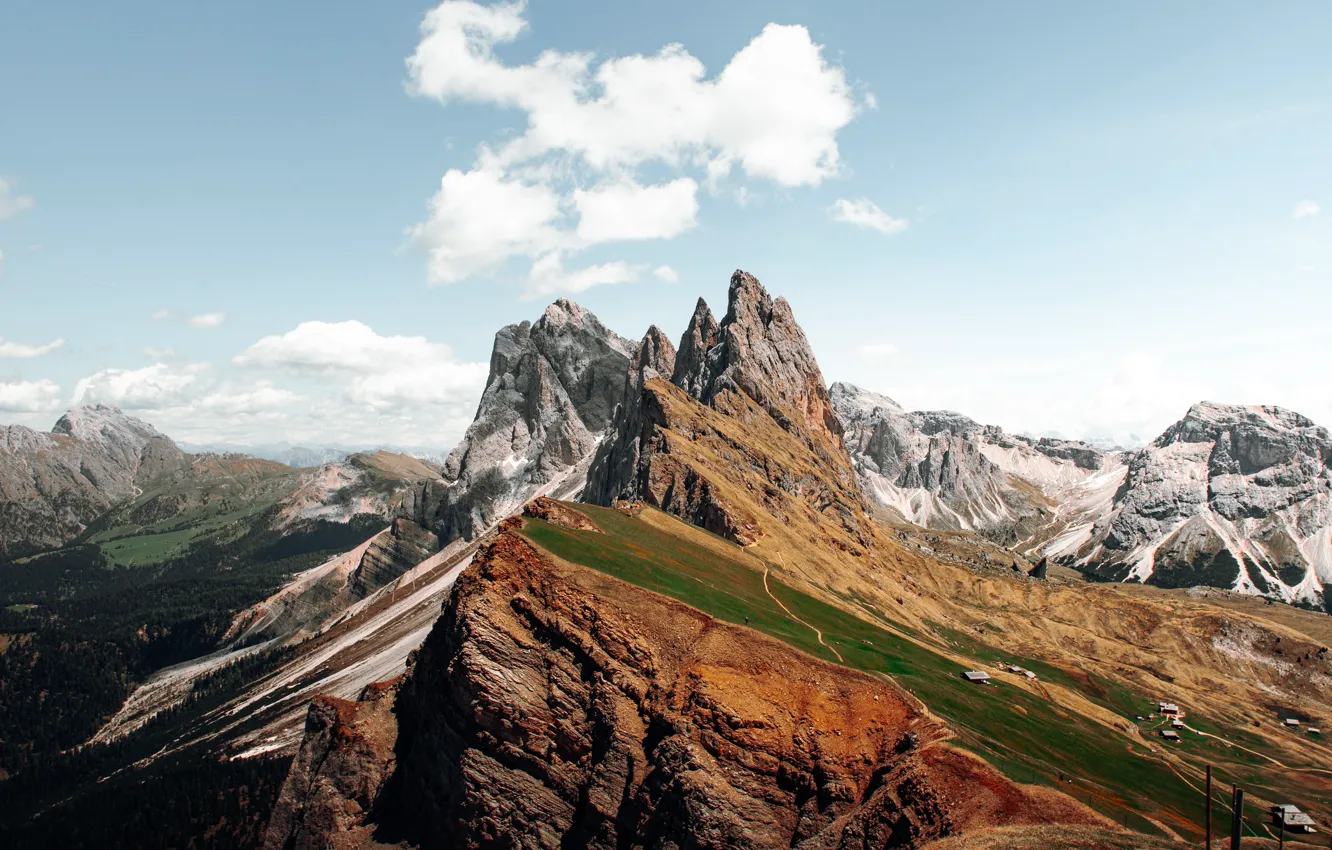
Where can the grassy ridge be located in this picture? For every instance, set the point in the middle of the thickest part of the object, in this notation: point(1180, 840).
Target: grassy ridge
point(1028, 737)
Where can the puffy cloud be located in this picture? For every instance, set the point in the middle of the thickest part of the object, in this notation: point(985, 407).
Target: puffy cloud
point(206, 320)
point(380, 371)
point(1305, 209)
point(624, 211)
point(148, 388)
point(667, 274)
point(480, 218)
point(549, 276)
point(12, 204)
point(339, 346)
point(775, 109)
point(878, 351)
point(865, 213)
point(9, 348)
point(260, 397)
point(772, 113)
point(29, 396)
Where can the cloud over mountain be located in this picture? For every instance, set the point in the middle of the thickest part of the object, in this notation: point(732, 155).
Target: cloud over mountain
point(572, 179)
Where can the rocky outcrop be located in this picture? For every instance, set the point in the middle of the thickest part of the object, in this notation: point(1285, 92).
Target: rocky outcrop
point(552, 391)
point(556, 513)
point(759, 350)
point(555, 707)
point(1229, 496)
point(52, 486)
point(943, 470)
point(616, 465)
point(745, 418)
point(344, 759)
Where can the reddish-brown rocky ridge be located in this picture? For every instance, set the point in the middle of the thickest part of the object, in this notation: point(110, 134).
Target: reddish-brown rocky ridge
point(558, 514)
point(553, 706)
point(344, 760)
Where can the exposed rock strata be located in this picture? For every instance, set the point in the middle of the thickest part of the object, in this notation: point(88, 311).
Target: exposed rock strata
point(556, 707)
point(707, 442)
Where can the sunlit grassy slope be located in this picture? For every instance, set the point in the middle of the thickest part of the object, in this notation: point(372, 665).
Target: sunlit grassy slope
point(1027, 736)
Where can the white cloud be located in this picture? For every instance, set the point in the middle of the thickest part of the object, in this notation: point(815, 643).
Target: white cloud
point(480, 218)
point(865, 213)
point(549, 276)
point(206, 320)
point(151, 387)
point(381, 372)
point(339, 346)
point(772, 113)
point(159, 353)
point(26, 352)
point(202, 320)
point(878, 351)
point(29, 396)
point(12, 204)
point(1305, 209)
point(260, 397)
point(626, 211)
point(667, 274)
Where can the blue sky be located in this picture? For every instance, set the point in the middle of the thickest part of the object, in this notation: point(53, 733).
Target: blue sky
point(1073, 218)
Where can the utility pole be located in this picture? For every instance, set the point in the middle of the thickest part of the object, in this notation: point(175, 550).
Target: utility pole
point(1208, 820)
point(1281, 839)
point(1236, 815)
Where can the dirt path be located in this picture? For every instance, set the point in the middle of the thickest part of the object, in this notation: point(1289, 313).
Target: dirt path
point(1261, 755)
point(818, 634)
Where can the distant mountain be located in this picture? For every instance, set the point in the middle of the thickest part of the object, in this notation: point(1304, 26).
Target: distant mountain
point(52, 485)
point(300, 457)
point(1231, 496)
point(943, 470)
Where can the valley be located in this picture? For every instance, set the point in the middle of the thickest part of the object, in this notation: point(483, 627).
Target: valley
point(226, 616)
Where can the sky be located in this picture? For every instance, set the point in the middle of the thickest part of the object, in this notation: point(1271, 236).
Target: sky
point(254, 222)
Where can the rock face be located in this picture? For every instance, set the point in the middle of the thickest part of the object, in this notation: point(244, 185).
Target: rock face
point(743, 395)
point(759, 350)
point(315, 596)
point(943, 470)
point(1230, 496)
point(555, 707)
point(617, 460)
point(552, 391)
point(53, 485)
point(346, 755)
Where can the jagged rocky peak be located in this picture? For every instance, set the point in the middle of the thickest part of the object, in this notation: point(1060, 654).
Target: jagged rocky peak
point(760, 350)
point(654, 357)
point(615, 465)
point(103, 423)
point(690, 372)
point(553, 388)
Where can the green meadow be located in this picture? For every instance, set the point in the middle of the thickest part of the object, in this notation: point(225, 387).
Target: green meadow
point(1026, 736)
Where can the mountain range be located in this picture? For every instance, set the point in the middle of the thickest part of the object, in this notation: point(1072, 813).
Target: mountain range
point(691, 595)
